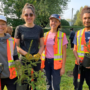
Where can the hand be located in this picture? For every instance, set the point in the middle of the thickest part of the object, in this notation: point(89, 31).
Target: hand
point(28, 56)
point(88, 67)
point(62, 71)
point(78, 61)
point(36, 56)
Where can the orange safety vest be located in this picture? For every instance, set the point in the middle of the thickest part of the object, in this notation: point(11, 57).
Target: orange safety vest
point(10, 51)
point(57, 50)
point(81, 48)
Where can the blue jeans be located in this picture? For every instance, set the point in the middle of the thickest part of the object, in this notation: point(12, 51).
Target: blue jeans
point(52, 76)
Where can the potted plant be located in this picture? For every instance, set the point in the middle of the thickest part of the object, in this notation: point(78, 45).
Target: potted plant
point(40, 84)
point(86, 60)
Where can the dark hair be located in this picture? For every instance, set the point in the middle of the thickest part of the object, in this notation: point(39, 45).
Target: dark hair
point(28, 6)
point(58, 27)
point(85, 10)
point(71, 29)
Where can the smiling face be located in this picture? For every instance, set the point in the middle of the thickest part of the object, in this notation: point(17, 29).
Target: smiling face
point(54, 23)
point(3, 26)
point(28, 16)
point(86, 20)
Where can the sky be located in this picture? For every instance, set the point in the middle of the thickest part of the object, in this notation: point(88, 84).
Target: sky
point(76, 5)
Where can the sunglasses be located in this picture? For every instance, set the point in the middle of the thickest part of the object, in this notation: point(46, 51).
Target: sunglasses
point(30, 14)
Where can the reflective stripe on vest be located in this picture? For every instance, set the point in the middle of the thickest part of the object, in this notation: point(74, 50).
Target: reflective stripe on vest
point(43, 55)
point(80, 54)
point(10, 50)
point(58, 55)
point(80, 47)
point(79, 37)
point(60, 42)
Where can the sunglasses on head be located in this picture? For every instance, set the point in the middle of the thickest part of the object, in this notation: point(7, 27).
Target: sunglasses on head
point(30, 14)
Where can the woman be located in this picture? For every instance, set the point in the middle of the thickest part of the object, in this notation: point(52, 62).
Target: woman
point(9, 30)
point(8, 54)
point(54, 56)
point(24, 34)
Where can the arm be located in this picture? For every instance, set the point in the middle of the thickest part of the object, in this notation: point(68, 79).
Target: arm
point(64, 56)
point(19, 50)
point(75, 52)
point(38, 55)
point(17, 62)
point(15, 55)
point(41, 41)
point(75, 49)
point(76, 55)
point(62, 71)
point(17, 37)
point(41, 46)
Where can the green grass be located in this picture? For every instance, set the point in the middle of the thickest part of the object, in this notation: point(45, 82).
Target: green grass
point(67, 80)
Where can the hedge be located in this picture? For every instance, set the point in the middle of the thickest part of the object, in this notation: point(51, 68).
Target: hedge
point(65, 29)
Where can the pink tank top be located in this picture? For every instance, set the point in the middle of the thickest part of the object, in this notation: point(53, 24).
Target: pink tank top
point(50, 43)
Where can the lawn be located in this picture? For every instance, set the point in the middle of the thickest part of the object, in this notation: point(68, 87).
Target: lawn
point(67, 78)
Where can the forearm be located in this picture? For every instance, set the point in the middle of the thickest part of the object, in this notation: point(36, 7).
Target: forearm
point(64, 60)
point(21, 51)
point(41, 46)
point(41, 50)
point(64, 56)
point(75, 54)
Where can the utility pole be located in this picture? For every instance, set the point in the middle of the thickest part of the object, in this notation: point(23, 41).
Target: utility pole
point(72, 18)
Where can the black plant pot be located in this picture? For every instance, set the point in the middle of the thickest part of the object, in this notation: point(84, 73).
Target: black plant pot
point(86, 61)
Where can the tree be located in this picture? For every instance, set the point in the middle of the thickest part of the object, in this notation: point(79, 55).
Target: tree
point(64, 22)
point(78, 21)
point(44, 8)
point(75, 17)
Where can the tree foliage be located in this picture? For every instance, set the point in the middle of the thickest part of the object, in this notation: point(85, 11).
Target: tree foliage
point(27, 75)
point(44, 8)
point(64, 22)
point(77, 18)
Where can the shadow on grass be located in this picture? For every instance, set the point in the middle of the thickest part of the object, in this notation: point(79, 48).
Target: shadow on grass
point(69, 73)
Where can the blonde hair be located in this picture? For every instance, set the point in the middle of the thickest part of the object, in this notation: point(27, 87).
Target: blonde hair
point(28, 6)
point(9, 30)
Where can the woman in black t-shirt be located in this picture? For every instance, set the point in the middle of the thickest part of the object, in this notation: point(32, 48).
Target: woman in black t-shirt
point(27, 32)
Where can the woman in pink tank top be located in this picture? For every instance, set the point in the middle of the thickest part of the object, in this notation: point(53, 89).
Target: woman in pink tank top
point(52, 64)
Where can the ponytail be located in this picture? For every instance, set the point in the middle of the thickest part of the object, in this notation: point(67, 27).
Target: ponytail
point(58, 27)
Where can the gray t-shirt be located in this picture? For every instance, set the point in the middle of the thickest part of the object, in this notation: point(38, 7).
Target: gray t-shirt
point(3, 55)
point(26, 34)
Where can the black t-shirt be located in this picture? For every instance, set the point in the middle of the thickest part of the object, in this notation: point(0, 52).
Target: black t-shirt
point(26, 34)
